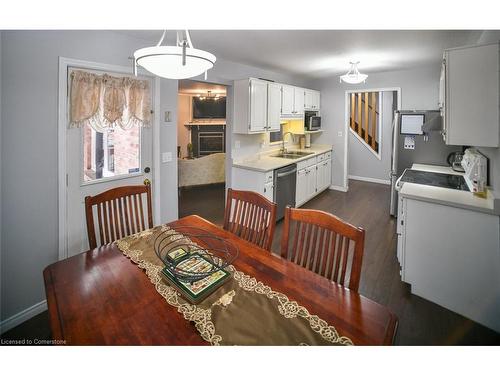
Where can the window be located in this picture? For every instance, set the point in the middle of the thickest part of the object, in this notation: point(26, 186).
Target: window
point(111, 153)
point(276, 136)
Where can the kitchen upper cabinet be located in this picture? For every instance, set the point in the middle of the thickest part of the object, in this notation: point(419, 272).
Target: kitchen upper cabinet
point(257, 106)
point(298, 100)
point(274, 107)
point(287, 100)
point(469, 96)
point(292, 101)
point(312, 100)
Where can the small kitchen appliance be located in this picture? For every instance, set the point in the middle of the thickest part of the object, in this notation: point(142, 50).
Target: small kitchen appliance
point(454, 160)
point(312, 121)
point(476, 172)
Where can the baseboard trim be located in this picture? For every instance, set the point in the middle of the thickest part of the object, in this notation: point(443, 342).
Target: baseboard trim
point(339, 188)
point(23, 316)
point(370, 179)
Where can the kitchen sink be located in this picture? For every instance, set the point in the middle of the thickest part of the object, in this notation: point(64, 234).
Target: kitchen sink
point(292, 154)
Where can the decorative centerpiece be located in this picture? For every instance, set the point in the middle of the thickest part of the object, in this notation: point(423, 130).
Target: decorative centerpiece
point(195, 263)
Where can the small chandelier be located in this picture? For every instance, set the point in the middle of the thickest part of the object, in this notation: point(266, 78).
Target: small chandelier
point(353, 76)
point(209, 96)
point(174, 62)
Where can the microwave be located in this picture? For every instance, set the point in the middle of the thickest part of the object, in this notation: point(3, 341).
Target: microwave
point(312, 121)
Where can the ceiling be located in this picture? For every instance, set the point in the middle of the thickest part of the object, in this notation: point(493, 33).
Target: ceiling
point(190, 87)
point(322, 53)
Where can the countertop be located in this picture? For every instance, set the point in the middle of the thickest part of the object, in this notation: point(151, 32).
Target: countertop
point(265, 162)
point(449, 197)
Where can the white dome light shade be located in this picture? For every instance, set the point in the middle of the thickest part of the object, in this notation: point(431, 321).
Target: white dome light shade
point(353, 76)
point(166, 61)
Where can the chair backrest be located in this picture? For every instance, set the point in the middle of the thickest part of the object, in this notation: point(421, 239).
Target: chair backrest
point(250, 216)
point(120, 213)
point(324, 244)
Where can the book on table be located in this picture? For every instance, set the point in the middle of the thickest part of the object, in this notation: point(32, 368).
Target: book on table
point(196, 291)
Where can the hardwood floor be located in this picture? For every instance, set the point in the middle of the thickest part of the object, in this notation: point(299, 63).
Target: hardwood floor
point(366, 204)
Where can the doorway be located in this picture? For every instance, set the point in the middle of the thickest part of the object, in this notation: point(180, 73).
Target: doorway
point(368, 128)
point(94, 156)
point(201, 149)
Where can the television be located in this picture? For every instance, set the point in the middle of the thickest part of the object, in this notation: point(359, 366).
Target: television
point(209, 108)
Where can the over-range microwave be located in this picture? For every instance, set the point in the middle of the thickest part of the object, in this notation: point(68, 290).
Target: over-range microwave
point(312, 121)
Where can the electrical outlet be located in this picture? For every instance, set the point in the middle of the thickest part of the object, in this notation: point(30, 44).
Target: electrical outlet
point(339, 134)
point(167, 116)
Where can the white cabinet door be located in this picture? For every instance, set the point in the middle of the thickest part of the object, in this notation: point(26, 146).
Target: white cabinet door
point(298, 100)
point(308, 99)
point(269, 191)
point(316, 98)
point(287, 96)
point(301, 190)
point(320, 176)
point(472, 96)
point(273, 107)
point(258, 105)
point(311, 181)
point(326, 174)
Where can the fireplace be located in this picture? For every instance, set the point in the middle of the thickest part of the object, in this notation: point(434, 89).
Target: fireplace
point(210, 143)
point(208, 139)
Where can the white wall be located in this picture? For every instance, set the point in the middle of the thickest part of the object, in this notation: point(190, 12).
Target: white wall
point(183, 117)
point(362, 162)
point(29, 90)
point(419, 90)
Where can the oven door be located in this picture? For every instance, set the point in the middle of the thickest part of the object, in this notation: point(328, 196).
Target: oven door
point(314, 123)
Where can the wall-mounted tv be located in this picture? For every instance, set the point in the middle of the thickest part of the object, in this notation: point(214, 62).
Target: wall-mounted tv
point(209, 108)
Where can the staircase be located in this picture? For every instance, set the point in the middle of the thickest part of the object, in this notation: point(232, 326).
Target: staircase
point(364, 118)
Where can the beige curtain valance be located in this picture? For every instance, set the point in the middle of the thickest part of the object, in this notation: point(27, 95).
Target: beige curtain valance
point(104, 101)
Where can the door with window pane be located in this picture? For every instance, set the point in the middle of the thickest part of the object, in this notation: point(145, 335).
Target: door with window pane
point(99, 159)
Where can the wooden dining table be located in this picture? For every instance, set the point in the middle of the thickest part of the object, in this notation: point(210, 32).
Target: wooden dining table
point(100, 297)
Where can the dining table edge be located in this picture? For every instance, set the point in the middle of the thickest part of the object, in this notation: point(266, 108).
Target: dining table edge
point(54, 318)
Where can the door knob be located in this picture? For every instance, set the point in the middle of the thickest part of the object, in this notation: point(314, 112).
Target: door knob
point(147, 182)
point(147, 170)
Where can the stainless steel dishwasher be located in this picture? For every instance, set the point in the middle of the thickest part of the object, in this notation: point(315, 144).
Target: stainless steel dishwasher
point(284, 188)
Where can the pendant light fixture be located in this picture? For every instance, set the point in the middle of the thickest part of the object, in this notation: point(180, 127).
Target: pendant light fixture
point(174, 62)
point(353, 76)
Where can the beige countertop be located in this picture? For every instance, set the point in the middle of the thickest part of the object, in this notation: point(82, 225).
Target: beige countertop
point(265, 162)
point(449, 197)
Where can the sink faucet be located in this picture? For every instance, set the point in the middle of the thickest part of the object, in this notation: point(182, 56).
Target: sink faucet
point(283, 149)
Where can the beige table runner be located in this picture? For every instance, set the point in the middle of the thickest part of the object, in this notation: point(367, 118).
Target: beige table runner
point(244, 311)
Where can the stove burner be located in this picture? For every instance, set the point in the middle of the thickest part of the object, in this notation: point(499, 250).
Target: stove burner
point(443, 180)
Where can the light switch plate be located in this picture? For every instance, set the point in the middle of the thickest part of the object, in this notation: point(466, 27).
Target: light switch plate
point(166, 157)
point(339, 134)
point(237, 144)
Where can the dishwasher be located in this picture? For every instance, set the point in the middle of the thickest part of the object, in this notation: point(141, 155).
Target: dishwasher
point(284, 188)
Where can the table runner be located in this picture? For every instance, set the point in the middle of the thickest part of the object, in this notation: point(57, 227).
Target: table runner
point(243, 311)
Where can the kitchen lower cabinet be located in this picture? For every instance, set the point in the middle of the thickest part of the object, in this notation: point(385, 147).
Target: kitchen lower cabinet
point(451, 256)
point(311, 183)
point(301, 190)
point(260, 182)
point(324, 174)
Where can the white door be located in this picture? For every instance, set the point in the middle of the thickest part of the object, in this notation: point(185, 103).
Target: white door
point(96, 162)
point(308, 99)
point(311, 181)
point(298, 101)
point(301, 190)
point(328, 172)
point(320, 176)
point(316, 99)
point(287, 95)
point(274, 107)
point(269, 191)
point(258, 105)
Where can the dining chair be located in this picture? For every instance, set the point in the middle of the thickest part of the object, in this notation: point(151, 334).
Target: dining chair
point(119, 212)
point(250, 216)
point(324, 244)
